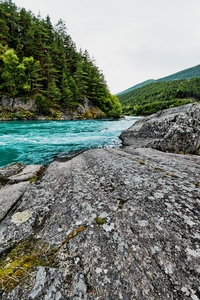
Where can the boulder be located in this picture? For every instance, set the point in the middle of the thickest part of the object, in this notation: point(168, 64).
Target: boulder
point(172, 130)
point(106, 224)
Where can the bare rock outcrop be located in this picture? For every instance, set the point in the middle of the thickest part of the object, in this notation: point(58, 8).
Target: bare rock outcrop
point(8, 103)
point(11, 108)
point(107, 224)
point(172, 130)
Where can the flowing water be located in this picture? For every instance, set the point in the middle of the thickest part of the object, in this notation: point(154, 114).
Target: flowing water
point(39, 142)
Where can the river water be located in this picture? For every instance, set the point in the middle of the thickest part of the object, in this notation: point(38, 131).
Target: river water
point(39, 142)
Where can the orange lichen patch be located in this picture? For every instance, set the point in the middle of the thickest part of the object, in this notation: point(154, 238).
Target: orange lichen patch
point(158, 169)
point(73, 233)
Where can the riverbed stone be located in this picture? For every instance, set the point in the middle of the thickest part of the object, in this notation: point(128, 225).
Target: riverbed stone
point(116, 224)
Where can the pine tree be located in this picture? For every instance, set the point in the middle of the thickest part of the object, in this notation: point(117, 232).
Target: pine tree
point(80, 78)
point(37, 77)
point(73, 87)
point(12, 19)
point(54, 93)
point(25, 23)
point(67, 94)
point(49, 72)
point(3, 26)
point(28, 63)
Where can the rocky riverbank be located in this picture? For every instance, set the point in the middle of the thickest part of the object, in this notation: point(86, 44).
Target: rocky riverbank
point(106, 224)
point(18, 109)
point(173, 130)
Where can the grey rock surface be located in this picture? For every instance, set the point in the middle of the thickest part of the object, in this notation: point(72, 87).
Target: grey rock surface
point(14, 180)
point(118, 223)
point(172, 130)
point(28, 109)
point(8, 103)
point(11, 170)
point(9, 195)
point(27, 173)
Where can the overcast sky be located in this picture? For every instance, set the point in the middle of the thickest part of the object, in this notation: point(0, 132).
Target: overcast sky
point(131, 40)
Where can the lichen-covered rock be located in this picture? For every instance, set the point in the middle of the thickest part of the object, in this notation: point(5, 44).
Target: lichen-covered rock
point(14, 180)
point(11, 170)
point(9, 195)
point(172, 130)
point(107, 224)
point(28, 172)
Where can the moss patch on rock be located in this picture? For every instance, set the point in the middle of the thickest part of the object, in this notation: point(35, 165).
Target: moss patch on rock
point(38, 175)
point(100, 221)
point(21, 261)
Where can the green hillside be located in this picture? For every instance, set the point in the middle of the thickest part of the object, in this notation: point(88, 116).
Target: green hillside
point(185, 74)
point(40, 61)
point(136, 86)
point(156, 96)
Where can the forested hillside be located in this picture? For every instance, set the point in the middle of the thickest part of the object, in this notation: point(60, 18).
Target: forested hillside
point(160, 95)
point(185, 74)
point(136, 86)
point(40, 61)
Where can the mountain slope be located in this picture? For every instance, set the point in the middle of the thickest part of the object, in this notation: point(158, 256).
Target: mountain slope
point(185, 74)
point(156, 96)
point(136, 86)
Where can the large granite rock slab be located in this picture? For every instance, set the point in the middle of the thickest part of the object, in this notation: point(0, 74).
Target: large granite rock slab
point(172, 130)
point(107, 224)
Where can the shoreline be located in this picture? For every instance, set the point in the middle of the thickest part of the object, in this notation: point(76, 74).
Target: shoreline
point(57, 141)
point(77, 227)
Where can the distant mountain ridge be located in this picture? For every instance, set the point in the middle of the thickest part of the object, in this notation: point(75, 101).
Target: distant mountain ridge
point(184, 74)
point(136, 86)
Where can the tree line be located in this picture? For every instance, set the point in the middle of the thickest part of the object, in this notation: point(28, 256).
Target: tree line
point(156, 96)
point(39, 60)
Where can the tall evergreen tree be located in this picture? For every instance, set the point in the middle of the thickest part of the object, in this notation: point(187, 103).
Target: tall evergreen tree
point(39, 60)
point(37, 77)
point(4, 29)
point(28, 63)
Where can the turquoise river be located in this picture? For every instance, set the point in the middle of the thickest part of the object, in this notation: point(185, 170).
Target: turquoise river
point(39, 142)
